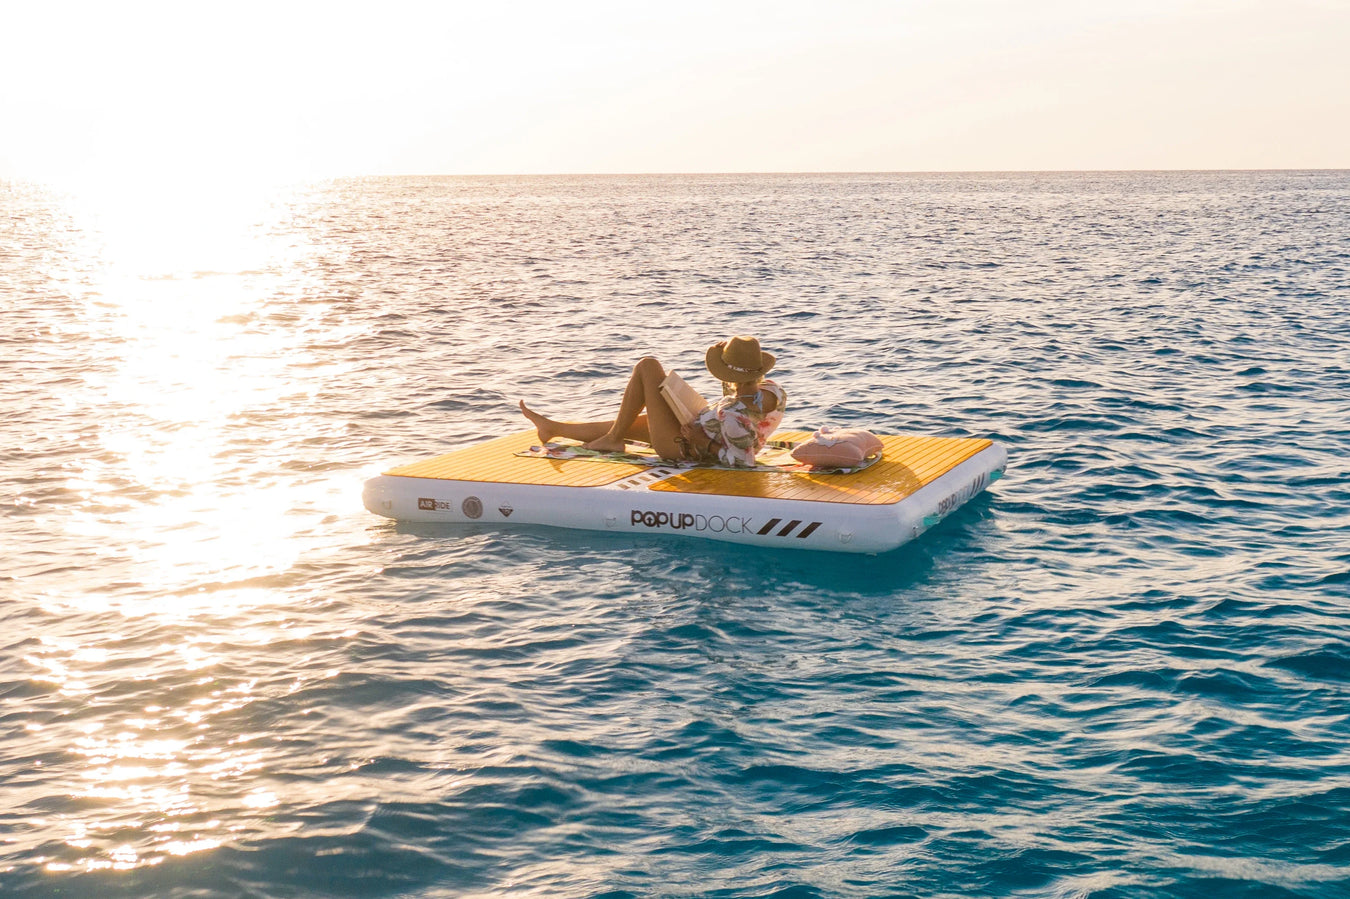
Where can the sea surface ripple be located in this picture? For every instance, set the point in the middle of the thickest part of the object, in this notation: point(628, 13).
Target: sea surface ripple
point(1123, 671)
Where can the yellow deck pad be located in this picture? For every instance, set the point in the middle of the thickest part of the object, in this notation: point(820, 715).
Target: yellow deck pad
point(908, 463)
point(496, 462)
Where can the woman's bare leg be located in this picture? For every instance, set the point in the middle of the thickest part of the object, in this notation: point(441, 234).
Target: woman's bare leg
point(643, 393)
point(583, 431)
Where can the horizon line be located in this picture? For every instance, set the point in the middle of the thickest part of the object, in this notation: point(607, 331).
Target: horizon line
point(62, 183)
point(732, 172)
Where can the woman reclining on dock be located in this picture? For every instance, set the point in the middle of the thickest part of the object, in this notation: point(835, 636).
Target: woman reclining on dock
point(730, 431)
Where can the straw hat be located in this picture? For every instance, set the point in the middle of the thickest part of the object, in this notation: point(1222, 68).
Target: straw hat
point(738, 360)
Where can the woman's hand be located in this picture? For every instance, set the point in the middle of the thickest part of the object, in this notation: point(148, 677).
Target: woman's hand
point(695, 440)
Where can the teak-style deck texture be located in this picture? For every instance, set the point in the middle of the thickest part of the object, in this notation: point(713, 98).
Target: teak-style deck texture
point(907, 464)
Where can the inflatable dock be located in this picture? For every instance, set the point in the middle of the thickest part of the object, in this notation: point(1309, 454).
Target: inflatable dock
point(915, 483)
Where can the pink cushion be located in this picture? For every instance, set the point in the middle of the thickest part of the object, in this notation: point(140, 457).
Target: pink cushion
point(837, 448)
point(819, 455)
point(868, 442)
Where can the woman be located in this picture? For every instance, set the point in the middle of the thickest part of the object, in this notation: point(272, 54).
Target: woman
point(730, 431)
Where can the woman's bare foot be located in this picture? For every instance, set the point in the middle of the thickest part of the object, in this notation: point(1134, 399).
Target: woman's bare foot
point(606, 444)
point(546, 428)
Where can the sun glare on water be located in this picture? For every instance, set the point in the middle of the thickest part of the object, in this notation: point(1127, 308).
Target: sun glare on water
point(194, 501)
point(182, 315)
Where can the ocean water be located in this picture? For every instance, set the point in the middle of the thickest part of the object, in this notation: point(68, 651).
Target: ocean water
point(1123, 671)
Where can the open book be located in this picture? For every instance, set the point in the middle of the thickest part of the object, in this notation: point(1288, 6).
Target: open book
point(685, 400)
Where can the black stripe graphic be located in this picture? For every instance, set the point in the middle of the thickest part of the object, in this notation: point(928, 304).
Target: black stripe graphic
point(806, 531)
point(787, 528)
point(768, 527)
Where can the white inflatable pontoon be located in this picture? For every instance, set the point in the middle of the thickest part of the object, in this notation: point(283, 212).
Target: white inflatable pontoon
point(917, 482)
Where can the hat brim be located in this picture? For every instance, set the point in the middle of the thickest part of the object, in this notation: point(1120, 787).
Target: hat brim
point(722, 372)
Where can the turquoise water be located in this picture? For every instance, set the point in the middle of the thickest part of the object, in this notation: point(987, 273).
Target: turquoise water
point(1123, 671)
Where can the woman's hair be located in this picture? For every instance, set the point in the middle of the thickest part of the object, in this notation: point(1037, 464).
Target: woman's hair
point(729, 387)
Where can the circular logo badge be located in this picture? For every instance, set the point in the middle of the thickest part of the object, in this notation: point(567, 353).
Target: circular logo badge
point(473, 507)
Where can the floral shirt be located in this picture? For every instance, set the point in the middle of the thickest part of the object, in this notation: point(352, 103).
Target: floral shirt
point(740, 427)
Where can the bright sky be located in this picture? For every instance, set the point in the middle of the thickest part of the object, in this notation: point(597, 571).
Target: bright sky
point(280, 89)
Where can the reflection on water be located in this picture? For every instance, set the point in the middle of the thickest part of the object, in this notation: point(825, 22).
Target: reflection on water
point(149, 743)
point(190, 326)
